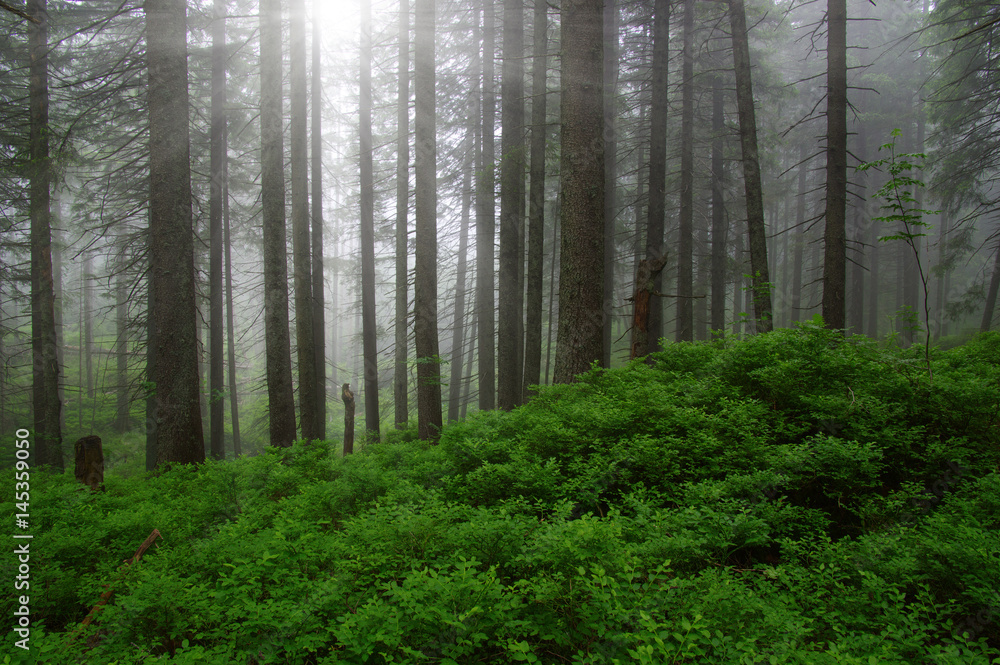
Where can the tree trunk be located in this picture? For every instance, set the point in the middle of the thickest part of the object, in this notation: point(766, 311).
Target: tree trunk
point(756, 232)
point(121, 348)
point(511, 309)
point(368, 332)
point(88, 321)
point(425, 277)
point(685, 245)
point(458, 329)
point(217, 403)
point(991, 295)
point(655, 248)
point(348, 397)
point(399, 387)
point(230, 325)
point(318, 296)
point(718, 210)
point(281, 401)
point(835, 243)
point(610, 169)
point(552, 293)
point(486, 223)
point(536, 212)
point(301, 249)
point(581, 270)
point(179, 436)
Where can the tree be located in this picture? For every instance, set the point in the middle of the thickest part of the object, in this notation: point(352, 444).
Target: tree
point(719, 230)
point(536, 210)
point(179, 436)
point(752, 184)
point(581, 269)
point(368, 229)
point(835, 238)
point(425, 330)
point(685, 243)
point(218, 155)
point(399, 391)
point(510, 325)
point(610, 166)
point(318, 297)
point(281, 402)
point(657, 163)
point(486, 225)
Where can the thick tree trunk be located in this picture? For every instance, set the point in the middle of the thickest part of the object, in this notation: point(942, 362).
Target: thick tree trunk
point(318, 286)
point(511, 309)
point(301, 241)
point(835, 243)
point(179, 435)
point(581, 272)
point(760, 279)
point(369, 342)
point(610, 169)
point(399, 383)
point(348, 397)
point(656, 208)
point(536, 211)
point(217, 403)
point(685, 244)
point(486, 223)
point(281, 402)
point(425, 279)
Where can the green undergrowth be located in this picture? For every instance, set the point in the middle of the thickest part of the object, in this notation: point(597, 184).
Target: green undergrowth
point(795, 497)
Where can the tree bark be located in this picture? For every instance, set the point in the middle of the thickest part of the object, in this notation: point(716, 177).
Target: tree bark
point(230, 325)
point(121, 349)
point(760, 280)
point(179, 435)
point(429, 417)
point(536, 210)
point(581, 270)
point(399, 383)
point(658, 160)
point(486, 223)
point(217, 403)
point(368, 332)
point(991, 295)
point(458, 329)
point(276, 334)
point(835, 243)
point(318, 286)
point(685, 244)
point(45, 361)
point(610, 170)
point(348, 397)
point(719, 230)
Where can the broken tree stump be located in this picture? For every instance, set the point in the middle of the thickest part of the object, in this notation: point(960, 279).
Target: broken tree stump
point(89, 461)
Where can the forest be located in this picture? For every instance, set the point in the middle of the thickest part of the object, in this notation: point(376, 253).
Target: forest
point(452, 332)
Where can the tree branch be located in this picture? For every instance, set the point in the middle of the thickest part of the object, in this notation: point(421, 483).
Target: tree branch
point(19, 12)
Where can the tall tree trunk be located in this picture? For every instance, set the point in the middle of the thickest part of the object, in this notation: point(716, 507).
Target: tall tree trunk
point(610, 168)
point(318, 287)
point(301, 250)
point(399, 383)
point(88, 321)
point(217, 403)
point(991, 295)
point(45, 365)
point(179, 436)
point(486, 222)
point(942, 272)
point(552, 293)
point(368, 332)
point(536, 212)
point(581, 271)
point(738, 281)
point(458, 329)
point(121, 346)
point(799, 242)
point(467, 379)
point(835, 243)
point(718, 210)
point(685, 244)
point(425, 277)
point(511, 309)
point(656, 208)
point(760, 279)
point(230, 325)
point(281, 401)
point(150, 363)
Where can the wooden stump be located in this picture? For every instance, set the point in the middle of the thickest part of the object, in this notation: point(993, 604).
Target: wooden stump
point(348, 398)
point(89, 461)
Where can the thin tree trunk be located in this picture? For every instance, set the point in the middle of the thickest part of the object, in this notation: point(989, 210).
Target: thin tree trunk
point(552, 293)
point(800, 234)
point(835, 244)
point(718, 211)
point(610, 169)
point(230, 324)
point(368, 332)
point(656, 207)
point(301, 241)
point(991, 295)
point(942, 271)
point(467, 380)
point(179, 435)
point(581, 271)
point(88, 320)
point(217, 403)
point(756, 231)
point(425, 280)
point(536, 213)
point(318, 287)
point(399, 387)
point(685, 245)
point(486, 223)
point(121, 348)
point(276, 334)
point(458, 329)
